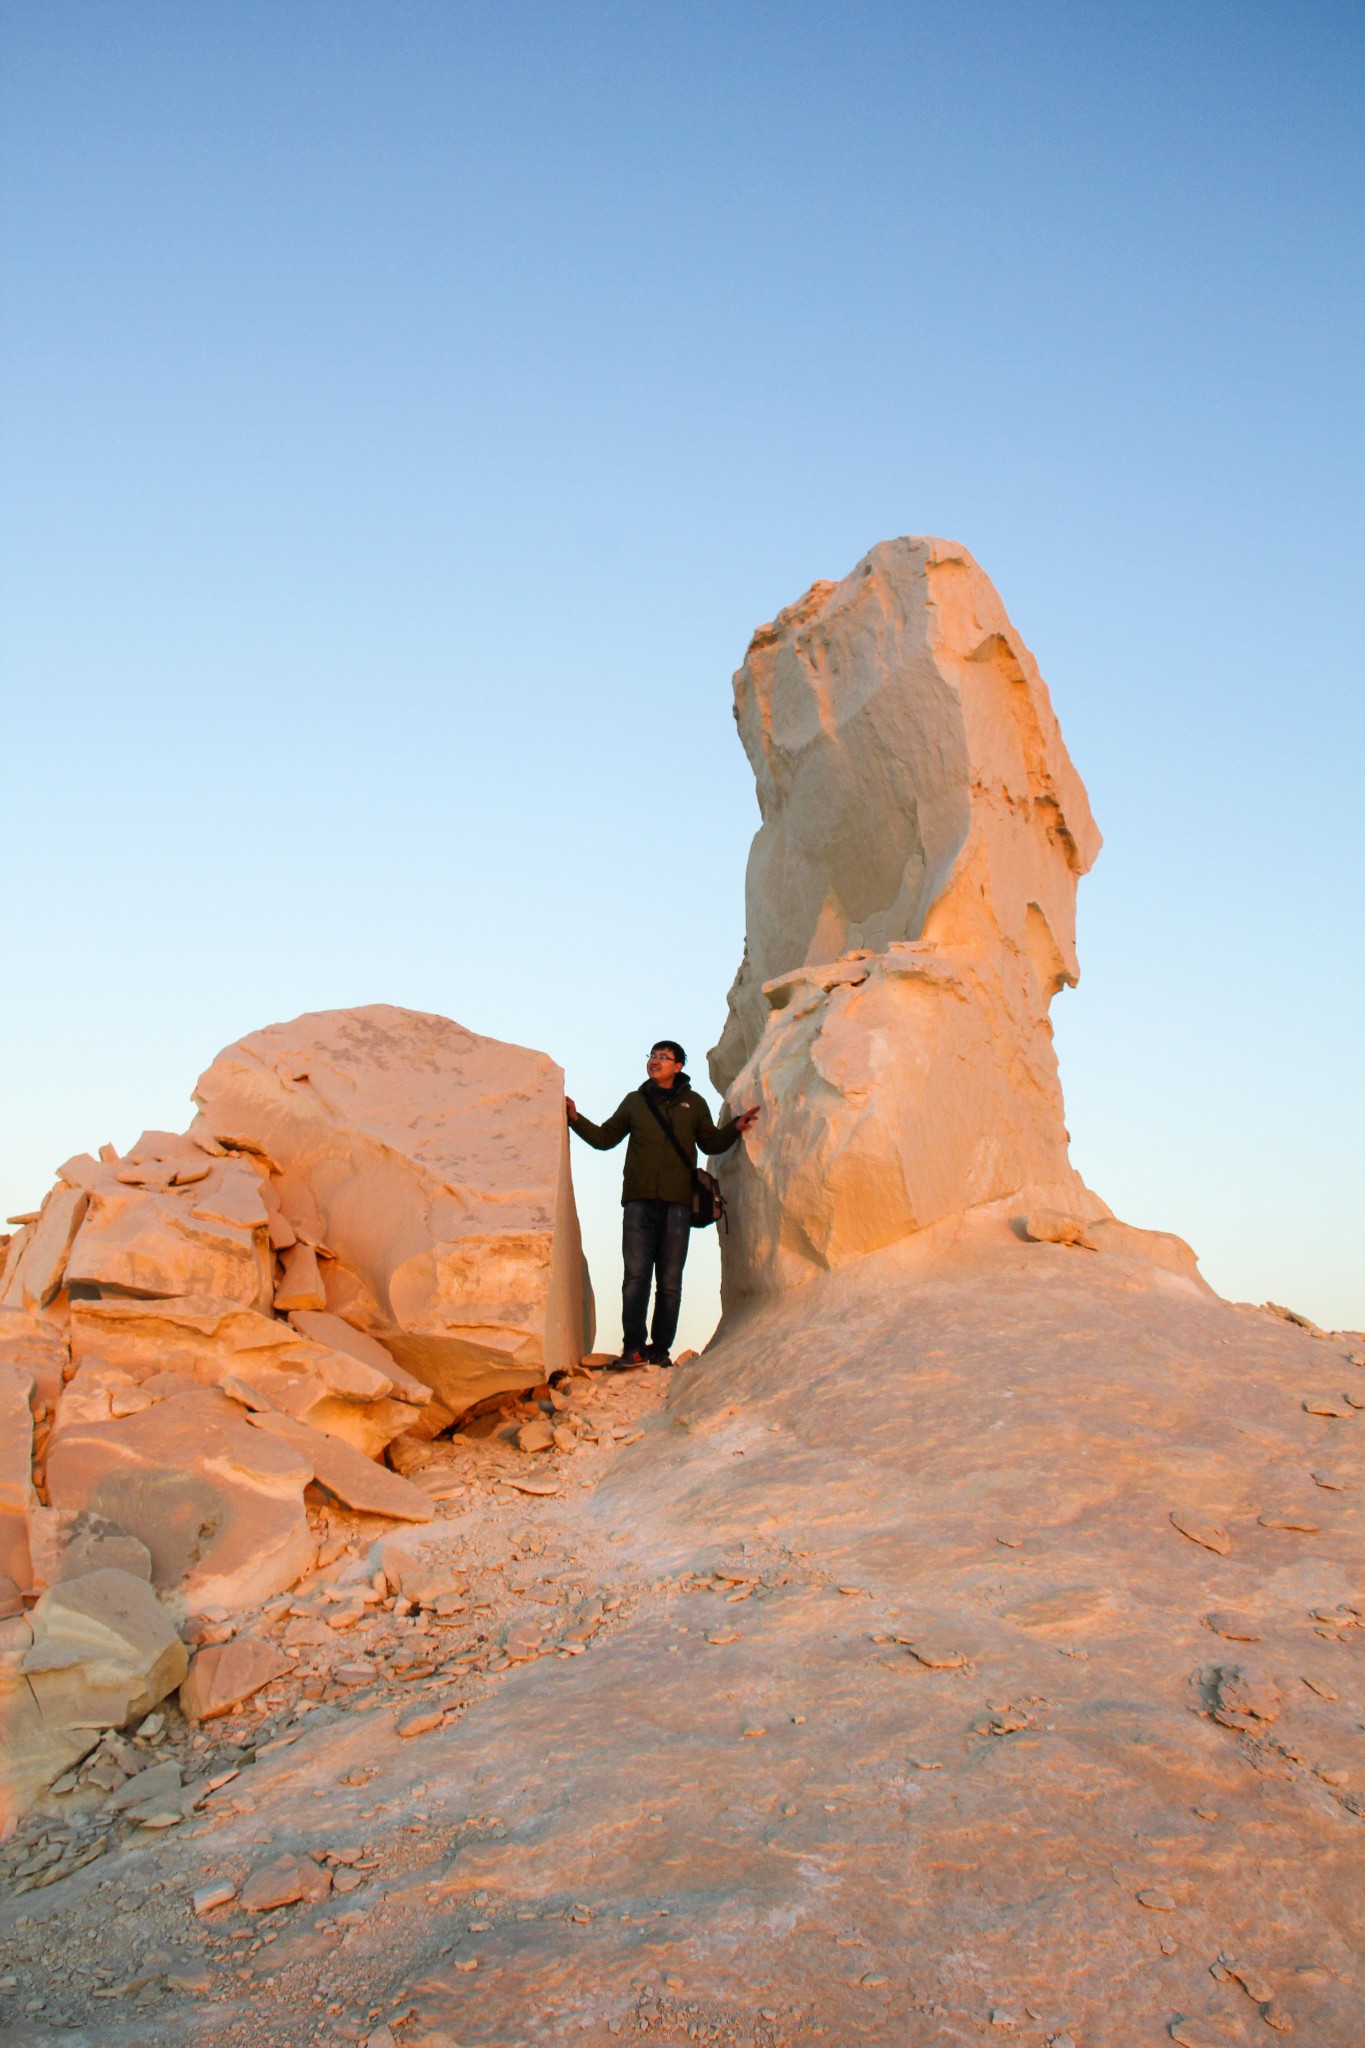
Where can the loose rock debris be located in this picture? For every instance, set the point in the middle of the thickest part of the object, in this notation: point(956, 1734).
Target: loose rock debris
point(487, 1589)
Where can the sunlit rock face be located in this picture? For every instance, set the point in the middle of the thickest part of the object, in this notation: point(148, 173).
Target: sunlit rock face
point(426, 1169)
point(910, 914)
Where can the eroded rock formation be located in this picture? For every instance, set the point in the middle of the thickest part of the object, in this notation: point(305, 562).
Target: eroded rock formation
point(968, 1647)
point(910, 909)
point(368, 1229)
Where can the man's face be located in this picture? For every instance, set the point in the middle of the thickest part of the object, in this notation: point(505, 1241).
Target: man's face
point(663, 1068)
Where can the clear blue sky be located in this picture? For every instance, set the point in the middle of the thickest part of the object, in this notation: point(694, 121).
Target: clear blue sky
point(410, 409)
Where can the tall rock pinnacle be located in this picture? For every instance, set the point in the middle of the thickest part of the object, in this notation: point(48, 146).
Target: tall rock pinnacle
point(910, 914)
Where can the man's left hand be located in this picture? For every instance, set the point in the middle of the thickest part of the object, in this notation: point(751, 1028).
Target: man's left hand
point(744, 1119)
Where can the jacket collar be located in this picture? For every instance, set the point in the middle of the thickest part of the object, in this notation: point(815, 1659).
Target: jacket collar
point(681, 1084)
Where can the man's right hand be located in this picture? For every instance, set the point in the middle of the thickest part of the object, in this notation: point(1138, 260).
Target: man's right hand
point(571, 1109)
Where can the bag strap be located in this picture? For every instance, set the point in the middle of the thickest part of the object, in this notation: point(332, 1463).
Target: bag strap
point(666, 1127)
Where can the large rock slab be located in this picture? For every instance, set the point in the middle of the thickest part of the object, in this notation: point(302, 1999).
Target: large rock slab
point(910, 909)
point(17, 1497)
point(34, 1345)
point(145, 1234)
point(219, 1505)
point(34, 1277)
point(96, 1652)
point(355, 1480)
point(365, 1400)
point(431, 1165)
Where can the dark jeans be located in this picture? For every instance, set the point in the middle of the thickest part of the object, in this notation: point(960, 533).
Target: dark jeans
point(654, 1241)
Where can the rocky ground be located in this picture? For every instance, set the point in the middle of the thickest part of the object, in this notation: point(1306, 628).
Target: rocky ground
point(113, 1917)
point(967, 1648)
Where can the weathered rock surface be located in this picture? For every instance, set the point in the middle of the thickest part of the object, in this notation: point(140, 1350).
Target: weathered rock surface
point(221, 1676)
point(38, 1348)
point(431, 1166)
point(17, 1497)
point(662, 1751)
point(368, 1488)
point(218, 1504)
point(35, 1276)
point(910, 914)
point(99, 1651)
point(67, 1543)
point(259, 1360)
point(151, 1236)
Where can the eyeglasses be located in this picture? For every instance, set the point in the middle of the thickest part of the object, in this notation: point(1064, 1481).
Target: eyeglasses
point(666, 1056)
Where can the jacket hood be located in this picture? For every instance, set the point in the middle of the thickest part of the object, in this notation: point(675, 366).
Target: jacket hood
point(682, 1084)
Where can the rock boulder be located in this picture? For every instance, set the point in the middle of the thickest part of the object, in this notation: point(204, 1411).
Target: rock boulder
point(96, 1652)
point(221, 1676)
point(428, 1170)
point(219, 1505)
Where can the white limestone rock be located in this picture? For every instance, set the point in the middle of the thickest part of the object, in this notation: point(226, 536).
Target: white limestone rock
point(96, 1652)
point(219, 1505)
point(910, 911)
point(258, 1360)
point(432, 1166)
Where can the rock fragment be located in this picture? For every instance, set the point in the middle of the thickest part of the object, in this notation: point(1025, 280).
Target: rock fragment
point(221, 1676)
point(210, 1239)
point(1234, 1628)
point(1202, 1529)
point(285, 1881)
point(96, 1652)
point(935, 1654)
point(1244, 1699)
point(159, 1782)
point(208, 1897)
point(419, 1721)
point(37, 1274)
point(300, 1283)
point(17, 1497)
point(347, 1473)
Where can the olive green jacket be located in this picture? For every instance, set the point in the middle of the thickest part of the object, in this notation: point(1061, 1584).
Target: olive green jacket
point(654, 1172)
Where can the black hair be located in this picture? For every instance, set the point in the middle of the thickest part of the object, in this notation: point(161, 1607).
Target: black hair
point(670, 1045)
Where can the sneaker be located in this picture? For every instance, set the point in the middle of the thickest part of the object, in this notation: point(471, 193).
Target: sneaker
point(627, 1360)
point(658, 1355)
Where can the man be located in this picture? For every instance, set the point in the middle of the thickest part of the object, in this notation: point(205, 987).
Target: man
point(656, 1195)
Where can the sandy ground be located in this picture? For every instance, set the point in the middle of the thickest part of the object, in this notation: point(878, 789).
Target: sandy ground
point(870, 1693)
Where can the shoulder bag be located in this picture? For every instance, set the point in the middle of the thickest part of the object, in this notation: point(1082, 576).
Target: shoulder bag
point(708, 1203)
